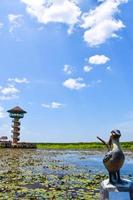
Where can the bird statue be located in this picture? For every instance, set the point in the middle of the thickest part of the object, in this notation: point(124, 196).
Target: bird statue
point(114, 158)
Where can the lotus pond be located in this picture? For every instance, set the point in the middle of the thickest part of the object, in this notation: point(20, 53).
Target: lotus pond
point(53, 174)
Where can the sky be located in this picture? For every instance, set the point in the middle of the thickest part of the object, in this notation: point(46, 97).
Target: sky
point(69, 64)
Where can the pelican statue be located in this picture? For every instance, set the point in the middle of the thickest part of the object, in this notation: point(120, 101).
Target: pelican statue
point(114, 158)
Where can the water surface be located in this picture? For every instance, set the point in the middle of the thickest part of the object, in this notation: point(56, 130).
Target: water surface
point(55, 174)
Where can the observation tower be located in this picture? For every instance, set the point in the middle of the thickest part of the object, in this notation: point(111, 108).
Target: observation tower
point(16, 113)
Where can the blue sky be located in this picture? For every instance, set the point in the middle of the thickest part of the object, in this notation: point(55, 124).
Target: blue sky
point(68, 63)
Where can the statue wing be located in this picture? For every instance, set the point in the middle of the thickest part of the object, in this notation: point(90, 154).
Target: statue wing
point(107, 156)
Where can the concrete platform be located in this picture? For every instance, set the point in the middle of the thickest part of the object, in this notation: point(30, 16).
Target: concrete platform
point(106, 188)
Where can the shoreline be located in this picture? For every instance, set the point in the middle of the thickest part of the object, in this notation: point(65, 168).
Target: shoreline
point(89, 146)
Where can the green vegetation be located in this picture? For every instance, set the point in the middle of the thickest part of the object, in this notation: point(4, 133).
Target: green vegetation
point(47, 175)
point(81, 146)
point(74, 146)
point(127, 145)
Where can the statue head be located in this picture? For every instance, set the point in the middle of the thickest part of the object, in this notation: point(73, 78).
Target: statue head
point(115, 135)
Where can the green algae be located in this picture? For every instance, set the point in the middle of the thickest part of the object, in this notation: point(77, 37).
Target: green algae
point(38, 175)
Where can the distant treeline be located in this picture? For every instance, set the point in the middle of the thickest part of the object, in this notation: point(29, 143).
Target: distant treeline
point(81, 145)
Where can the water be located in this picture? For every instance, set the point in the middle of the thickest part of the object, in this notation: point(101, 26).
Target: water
point(51, 174)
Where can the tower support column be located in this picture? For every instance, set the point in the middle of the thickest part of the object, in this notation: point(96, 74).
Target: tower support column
point(16, 113)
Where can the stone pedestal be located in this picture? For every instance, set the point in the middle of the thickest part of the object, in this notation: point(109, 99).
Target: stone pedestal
point(106, 187)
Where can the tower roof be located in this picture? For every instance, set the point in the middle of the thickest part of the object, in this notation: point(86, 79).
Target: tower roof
point(16, 109)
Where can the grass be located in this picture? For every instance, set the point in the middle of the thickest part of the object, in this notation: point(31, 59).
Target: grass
point(127, 145)
point(81, 146)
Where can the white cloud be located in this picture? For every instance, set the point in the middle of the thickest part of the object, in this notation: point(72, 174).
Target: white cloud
point(18, 80)
point(15, 21)
point(74, 84)
point(67, 69)
point(87, 68)
point(61, 11)
point(98, 59)
point(53, 105)
point(9, 92)
point(2, 112)
point(109, 68)
point(102, 23)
